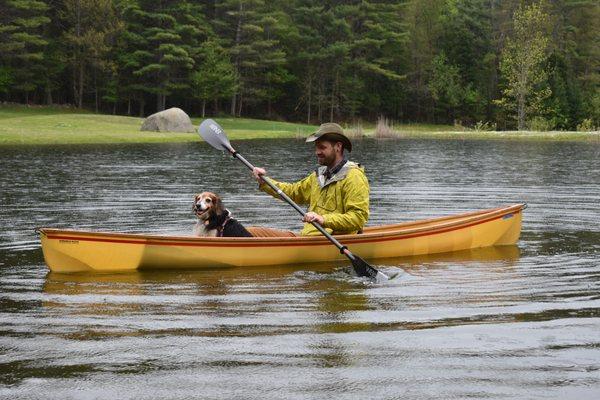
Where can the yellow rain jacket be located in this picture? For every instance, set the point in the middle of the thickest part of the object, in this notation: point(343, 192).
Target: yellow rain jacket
point(342, 199)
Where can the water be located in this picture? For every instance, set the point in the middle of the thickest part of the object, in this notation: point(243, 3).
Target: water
point(515, 322)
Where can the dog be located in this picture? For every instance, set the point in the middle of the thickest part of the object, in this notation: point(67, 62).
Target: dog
point(214, 220)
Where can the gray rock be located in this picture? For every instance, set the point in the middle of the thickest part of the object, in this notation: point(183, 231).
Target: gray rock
point(171, 120)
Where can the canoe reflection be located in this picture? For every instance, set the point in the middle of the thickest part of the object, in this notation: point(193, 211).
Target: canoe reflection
point(482, 255)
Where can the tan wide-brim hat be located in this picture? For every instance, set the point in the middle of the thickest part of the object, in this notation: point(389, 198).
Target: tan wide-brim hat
point(331, 131)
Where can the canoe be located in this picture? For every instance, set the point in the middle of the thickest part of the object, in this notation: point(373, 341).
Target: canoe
point(78, 251)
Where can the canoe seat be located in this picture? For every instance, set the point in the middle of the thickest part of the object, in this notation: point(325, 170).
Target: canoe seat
point(261, 231)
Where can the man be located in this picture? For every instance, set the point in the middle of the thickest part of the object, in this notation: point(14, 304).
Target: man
point(337, 193)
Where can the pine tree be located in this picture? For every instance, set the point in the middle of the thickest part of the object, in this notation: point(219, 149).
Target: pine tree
point(22, 44)
point(424, 26)
point(376, 38)
point(160, 47)
point(252, 35)
point(215, 77)
point(92, 25)
point(466, 42)
point(575, 63)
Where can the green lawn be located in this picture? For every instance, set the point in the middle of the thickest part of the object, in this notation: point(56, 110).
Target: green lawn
point(62, 125)
point(53, 125)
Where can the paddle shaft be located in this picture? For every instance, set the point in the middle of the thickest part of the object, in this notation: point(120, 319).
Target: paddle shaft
point(343, 249)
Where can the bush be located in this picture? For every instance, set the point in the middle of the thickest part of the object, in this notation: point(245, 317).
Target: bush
point(485, 126)
point(540, 124)
point(587, 125)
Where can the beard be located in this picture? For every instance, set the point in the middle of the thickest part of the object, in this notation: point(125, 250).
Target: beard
point(327, 160)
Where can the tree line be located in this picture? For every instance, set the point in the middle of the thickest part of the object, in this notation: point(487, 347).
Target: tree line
point(501, 64)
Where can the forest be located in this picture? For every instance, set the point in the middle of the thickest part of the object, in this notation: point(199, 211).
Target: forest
point(490, 64)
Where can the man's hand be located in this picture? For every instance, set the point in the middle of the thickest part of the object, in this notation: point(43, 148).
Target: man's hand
point(257, 172)
point(313, 217)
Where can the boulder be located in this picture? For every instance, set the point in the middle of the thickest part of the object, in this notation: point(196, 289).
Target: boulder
point(171, 120)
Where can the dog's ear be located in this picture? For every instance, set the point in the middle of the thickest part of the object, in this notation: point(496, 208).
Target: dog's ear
point(218, 205)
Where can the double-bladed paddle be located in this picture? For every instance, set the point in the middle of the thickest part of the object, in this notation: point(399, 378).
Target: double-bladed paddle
point(213, 134)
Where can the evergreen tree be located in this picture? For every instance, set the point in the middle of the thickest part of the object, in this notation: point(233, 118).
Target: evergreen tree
point(577, 59)
point(161, 46)
point(252, 35)
point(215, 77)
point(466, 42)
point(413, 60)
point(376, 37)
point(92, 25)
point(22, 44)
point(424, 27)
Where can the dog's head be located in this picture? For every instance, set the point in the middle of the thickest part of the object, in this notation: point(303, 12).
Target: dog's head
point(207, 205)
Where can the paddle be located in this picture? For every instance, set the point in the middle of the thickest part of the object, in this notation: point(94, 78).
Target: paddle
point(213, 134)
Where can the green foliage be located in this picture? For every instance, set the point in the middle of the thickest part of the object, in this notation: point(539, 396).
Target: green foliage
point(215, 77)
point(160, 46)
point(540, 124)
point(6, 79)
point(522, 62)
point(445, 85)
point(22, 43)
point(484, 126)
point(505, 62)
point(91, 26)
point(587, 125)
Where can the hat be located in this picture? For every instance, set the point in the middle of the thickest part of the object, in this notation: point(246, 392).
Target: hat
point(331, 131)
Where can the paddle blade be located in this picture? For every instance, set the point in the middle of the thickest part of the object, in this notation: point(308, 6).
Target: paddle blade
point(213, 134)
point(363, 269)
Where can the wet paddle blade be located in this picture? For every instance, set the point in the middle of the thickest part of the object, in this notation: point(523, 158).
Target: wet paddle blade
point(362, 268)
point(213, 134)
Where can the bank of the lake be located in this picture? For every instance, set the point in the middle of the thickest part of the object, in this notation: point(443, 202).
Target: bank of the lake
point(22, 125)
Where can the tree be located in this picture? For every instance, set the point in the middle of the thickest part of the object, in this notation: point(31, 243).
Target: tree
point(215, 77)
point(374, 46)
point(22, 44)
point(445, 84)
point(161, 46)
point(522, 63)
point(466, 42)
point(92, 25)
point(251, 30)
point(6, 79)
point(575, 64)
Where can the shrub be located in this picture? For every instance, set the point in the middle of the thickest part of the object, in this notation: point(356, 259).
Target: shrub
point(587, 125)
point(485, 126)
point(540, 124)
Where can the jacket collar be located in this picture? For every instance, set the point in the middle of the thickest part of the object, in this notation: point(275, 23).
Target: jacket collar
point(337, 173)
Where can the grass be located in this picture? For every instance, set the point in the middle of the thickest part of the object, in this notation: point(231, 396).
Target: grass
point(62, 125)
point(38, 125)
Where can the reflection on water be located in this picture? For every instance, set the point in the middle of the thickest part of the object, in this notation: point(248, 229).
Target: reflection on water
point(503, 322)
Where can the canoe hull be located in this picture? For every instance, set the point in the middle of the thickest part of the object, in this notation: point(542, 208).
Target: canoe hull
point(76, 251)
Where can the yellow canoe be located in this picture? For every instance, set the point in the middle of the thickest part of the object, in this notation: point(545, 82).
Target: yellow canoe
point(77, 251)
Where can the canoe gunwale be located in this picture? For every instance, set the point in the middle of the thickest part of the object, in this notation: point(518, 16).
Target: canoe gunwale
point(375, 234)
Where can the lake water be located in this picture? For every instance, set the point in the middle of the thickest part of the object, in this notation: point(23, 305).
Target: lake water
point(513, 323)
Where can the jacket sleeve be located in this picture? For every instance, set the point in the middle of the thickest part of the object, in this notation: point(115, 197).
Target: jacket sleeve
point(355, 203)
point(297, 191)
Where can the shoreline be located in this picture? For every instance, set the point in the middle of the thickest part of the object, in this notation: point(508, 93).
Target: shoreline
point(30, 126)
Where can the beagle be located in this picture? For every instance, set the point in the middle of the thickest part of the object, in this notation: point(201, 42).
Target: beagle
point(214, 220)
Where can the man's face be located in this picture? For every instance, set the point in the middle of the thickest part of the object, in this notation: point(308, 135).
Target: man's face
point(326, 152)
